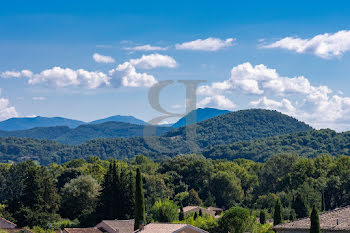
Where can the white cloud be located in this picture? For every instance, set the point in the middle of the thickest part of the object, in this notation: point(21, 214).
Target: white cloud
point(153, 61)
point(16, 74)
point(146, 47)
point(63, 77)
point(102, 58)
point(295, 96)
point(323, 45)
point(209, 44)
point(284, 105)
point(218, 101)
point(38, 98)
point(125, 75)
point(6, 111)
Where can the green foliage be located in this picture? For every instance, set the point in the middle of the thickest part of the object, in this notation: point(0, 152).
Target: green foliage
point(139, 201)
point(315, 221)
point(222, 130)
point(78, 195)
point(165, 211)
point(237, 220)
point(181, 214)
point(262, 217)
point(300, 206)
point(277, 215)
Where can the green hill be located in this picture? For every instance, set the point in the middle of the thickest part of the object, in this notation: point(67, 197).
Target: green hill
point(307, 144)
point(222, 130)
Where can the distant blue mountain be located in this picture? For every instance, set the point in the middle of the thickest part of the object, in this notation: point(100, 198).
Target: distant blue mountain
point(118, 118)
point(31, 122)
point(199, 115)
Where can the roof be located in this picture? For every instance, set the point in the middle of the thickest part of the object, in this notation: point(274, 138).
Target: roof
point(121, 225)
point(215, 208)
point(8, 221)
point(168, 228)
point(334, 220)
point(82, 230)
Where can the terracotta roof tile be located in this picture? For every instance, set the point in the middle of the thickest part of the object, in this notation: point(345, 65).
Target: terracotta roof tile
point(167, 228)
point(334, 220)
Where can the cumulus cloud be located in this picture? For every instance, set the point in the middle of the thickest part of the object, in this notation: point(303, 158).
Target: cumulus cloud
point(16, 74)
point(6, 110)
point(153, 61)
point(209, 44)
point(146, 47)
point(62, 77)
point(295, 96)
point(218, 101)
point(324, 45)
point(125, 75)
point(102, 58)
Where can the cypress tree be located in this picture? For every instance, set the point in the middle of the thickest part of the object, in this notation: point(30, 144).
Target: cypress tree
point(139, 201)
point(200, 213)
point(277, 216)
point(181, 214)
point(315, 221)
point(195, 216)
point(262, 217)
point(300, 206)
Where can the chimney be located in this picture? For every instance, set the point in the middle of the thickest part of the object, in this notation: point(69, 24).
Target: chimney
point(141, 226)
point(337, 222)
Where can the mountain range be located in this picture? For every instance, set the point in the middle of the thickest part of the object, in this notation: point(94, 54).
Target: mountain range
point(222, 130)
point(24, 123)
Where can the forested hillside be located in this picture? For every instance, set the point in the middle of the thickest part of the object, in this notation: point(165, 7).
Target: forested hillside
point(241, 125)
point(198, 115)
point(86, 132)
point(221, 130)
point(306, 144)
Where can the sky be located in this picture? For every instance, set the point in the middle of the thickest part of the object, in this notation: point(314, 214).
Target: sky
point(87, 60)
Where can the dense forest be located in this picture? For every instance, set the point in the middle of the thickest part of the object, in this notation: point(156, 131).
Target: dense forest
point(86, 132)
point(307, 144)
point(221, 130)
point(78, 192)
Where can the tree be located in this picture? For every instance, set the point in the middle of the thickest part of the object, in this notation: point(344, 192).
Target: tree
point(195, 215)
point(78, 195)
point(165, 211)
point(262, 217)
point(226, 188)
point(181, 214)
point(315, 221)
point(193, 198)
point(277, 215)
point(300, 206)
point(139, 201)
point(237, 220)
point(117, 194)
point(200, 213)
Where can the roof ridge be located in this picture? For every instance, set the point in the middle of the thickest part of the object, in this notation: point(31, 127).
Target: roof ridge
point(8, 221)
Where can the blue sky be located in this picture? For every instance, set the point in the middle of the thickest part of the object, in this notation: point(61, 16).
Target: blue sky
point(292, 56)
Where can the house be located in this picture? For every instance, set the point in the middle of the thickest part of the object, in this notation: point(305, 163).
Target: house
point(192, 209)
point(218, 211)
point(169, 228)
point(337, 220)
point(116, 226)
point(8, 226)
point(82, 230)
